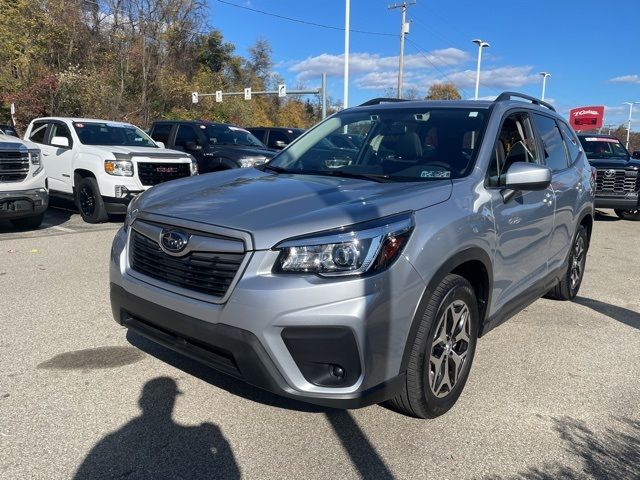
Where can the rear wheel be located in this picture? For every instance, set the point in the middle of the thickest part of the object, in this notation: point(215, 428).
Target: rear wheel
point(89, 201)
point(29, 222)
point(442, 351)
point(570, 283)
point(629, 214)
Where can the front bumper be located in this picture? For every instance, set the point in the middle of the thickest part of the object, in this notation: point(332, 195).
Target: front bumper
point(248, 335)
point(23, 203)
point(619, 203)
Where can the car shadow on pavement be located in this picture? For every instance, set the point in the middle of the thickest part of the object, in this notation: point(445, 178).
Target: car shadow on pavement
point(605, 217)
point(153, 446)
point(621, 314)
point(610, 454)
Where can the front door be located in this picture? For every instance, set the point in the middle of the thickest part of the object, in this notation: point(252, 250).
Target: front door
point(58, 160)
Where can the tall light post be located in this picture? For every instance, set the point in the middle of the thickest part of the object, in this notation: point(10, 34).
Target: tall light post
point(345, 101)
point(631, 104)
point(404, 29)
point(545, 75)
point(481, 44)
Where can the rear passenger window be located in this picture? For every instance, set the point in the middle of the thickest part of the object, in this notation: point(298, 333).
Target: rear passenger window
point(161, 133)
point(555, 155)
point(186, 137)
point(570, 140)
point(258, 133)
point(38, 131)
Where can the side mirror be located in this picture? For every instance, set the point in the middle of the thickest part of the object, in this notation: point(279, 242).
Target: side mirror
point(279, 144)
point(62, 142)
point(160, 144)
point(524, 176)
point(193, 146)
point(636, 155)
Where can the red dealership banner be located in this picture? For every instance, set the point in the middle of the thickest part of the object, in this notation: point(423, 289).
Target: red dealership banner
point(586, 118)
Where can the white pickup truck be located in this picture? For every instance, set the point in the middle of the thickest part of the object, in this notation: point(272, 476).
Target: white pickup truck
point(23, 188)
point(101, 164)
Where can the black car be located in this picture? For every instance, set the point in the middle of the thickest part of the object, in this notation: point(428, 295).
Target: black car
point(617, 178)
point(9, 130)
point(215, 146)
point(276, 137)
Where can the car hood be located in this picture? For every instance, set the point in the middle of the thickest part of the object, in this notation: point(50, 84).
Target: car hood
point(239, 151)
point(618, 163)
point(146, 152)
point(274, 207)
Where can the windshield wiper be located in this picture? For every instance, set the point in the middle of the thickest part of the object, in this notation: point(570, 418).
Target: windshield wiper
point(273, 168)
point(374, 177)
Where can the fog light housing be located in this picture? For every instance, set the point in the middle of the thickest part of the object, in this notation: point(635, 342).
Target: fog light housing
point(121, 191)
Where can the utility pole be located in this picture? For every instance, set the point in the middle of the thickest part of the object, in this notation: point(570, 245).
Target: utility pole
point(347, 14)
point(631, 104)
point(404, 29)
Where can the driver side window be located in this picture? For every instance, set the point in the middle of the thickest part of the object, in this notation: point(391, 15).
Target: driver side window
point(515, 143)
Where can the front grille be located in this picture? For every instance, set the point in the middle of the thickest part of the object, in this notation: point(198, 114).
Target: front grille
point(621, 182)
point(155, 173)
point(204, 272)
point(14, 166)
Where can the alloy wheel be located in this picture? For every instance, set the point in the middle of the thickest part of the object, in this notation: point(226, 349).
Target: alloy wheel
point(449, 348)
point(577, 262)
point(87, 201)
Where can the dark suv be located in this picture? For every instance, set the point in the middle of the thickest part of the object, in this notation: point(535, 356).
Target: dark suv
point(276, 137)
point(215, 146)
point(617, 179)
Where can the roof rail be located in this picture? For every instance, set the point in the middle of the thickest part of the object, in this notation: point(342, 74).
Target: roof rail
point(378, 101)
point(503, 97)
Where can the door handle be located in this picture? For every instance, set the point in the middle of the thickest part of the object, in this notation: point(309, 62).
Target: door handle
point(46, 154)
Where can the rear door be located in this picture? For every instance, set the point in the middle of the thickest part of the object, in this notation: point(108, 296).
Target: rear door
point(523, 223)
point(566, 186)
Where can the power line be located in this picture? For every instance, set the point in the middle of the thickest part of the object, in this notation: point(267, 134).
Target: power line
point(305, 22)
point(426, 57)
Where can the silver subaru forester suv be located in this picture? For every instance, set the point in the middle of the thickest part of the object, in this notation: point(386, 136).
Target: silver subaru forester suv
point(350, 276)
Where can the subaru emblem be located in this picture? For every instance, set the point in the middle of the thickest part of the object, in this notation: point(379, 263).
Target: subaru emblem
point(173, 241)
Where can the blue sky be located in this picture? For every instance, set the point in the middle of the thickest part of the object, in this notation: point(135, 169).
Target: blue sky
point(591, 49)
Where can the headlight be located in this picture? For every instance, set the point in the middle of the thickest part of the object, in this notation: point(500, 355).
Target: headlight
point(366, 247)
point(34, 156)
point(251, 161)
point(132, 212)
point(121, 168)
point(194, 165)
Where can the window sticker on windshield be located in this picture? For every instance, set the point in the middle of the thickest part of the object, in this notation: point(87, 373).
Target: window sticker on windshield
point(422, 117)
point(473, 114)
point(600, 139)
point(79, 125)
point(435, 174)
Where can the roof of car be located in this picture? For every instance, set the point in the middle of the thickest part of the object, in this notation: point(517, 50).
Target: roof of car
point(196, 122)
point(391, 105)
point(596, 135)
point(278, 128)
point(82, 120)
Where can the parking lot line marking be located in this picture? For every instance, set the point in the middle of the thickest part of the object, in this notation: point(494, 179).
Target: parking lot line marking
point(58, 227)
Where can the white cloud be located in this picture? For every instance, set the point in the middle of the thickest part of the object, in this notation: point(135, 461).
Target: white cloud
point(626, 79)
point(501, 77)
point(333, 65)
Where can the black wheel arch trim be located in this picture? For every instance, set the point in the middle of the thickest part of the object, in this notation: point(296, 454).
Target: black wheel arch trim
point(447, 267)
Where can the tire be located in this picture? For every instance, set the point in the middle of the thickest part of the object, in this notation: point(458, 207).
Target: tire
point(428, 391)
point(633, 215)
point(89, 201)
point(569, 286)
point(29, 222)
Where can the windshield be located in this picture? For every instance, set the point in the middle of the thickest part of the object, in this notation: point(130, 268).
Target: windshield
point(118, 134)
point(409, 144)
point(598, 147)
point(227, 135)
point(7, 130)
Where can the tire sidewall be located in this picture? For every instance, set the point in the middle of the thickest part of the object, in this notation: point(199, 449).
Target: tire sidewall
point(439, 405)
point(626, 215)
point(581, 232)
point(99, 213)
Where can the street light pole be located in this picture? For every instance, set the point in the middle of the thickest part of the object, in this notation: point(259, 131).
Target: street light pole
point(631, 104)
point(404, 29)
point(481, 44)
point(545, 75)
point(345, 101)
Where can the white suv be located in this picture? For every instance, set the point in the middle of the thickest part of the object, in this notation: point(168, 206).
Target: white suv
point(101, 164)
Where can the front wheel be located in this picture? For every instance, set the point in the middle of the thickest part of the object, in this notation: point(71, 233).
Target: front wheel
point(629, 214)
point(89, 201)
point(442, 351)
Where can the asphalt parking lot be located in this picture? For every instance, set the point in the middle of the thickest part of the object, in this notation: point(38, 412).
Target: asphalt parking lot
point(553, 393)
